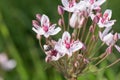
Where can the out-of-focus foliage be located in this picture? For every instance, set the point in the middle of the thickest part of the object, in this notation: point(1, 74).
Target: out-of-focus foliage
point(19, 41)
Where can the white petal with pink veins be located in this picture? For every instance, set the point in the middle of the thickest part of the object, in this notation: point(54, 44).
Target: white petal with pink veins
point(117, 47)
point(99, 2)
point(105, 32)
point(66, 37)
point(73, 20)
point(60, 47)
point(107, 13)
point(76, 46)
point(55, 31)
point(65, 3)
point(44, 20)
point(109, 23)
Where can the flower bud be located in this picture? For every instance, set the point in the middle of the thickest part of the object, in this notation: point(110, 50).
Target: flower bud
point(76, 64)
point(38, 36)
point(96, 19)
point(38, 17)
point(91, 29)
point(60, 22)
point(35, 23)
point(109, 50)
point(60, 10)
point(86, 61)
point(115, 37)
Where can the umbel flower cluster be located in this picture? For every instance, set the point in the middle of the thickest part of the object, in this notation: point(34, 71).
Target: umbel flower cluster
point(77, 47)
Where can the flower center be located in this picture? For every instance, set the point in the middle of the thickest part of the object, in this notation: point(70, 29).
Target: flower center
point(54, 52)
point(71, 3)
point(67, 45)
point(91, 1)
point(45, 28)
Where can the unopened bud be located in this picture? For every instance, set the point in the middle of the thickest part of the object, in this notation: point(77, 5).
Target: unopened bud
point(115, 37)
point(60, 22)
point(86, 61)
point(109, 50)
point(38, 17)
point(83, 47)
point(35, 23)
point(91, 29)
point(38, 36)
point(96, 19)
point(60, 10)
point(79, 56)
point(76, 64)
point(82, 21)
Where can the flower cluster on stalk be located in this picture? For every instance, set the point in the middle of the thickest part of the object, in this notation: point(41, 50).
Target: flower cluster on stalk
point(77, 46)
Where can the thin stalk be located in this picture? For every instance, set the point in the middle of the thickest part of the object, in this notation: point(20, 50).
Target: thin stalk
point(68, 21)
point(88, 34)
point(78, 33)
point(63, 22)
point(113, 63)
point(41, 45)
point(84, 28)
point(102, 59)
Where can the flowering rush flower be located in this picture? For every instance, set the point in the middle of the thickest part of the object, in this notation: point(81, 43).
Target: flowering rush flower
point(78, 46)
point(67, 45)
point(5, 63)
point(44, 27)
point(109, 38)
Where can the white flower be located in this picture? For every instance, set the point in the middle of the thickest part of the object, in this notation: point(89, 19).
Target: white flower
point(76, 20)
point(69, 5)
point(105, 19)
point(5, 63)
point(52, 54)
point(45, 28)
point(108, 38)
point(95, 4)
point(67, 45)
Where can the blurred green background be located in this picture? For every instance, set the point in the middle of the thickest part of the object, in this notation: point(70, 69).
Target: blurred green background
point(19, 41)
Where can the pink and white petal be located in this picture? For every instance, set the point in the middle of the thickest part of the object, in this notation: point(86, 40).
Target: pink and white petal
point(99, 2)
point(66, 37)
point(107, 29)
point(46, 35)
point(57, 57)
point(41, 31)
point(76, 46)
point(108, 37)
point(55, 31)
point(108, 13)
point(69, 53)
point(44, 20)
point(9, 65)
point(92, 16)
point(60, 47)
point(52, 27)
point(65, 3)
point(73, 20)
point(100, 24)
point(109, 23)
point(117, 47)
point(35, 30)
point(118, 35)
